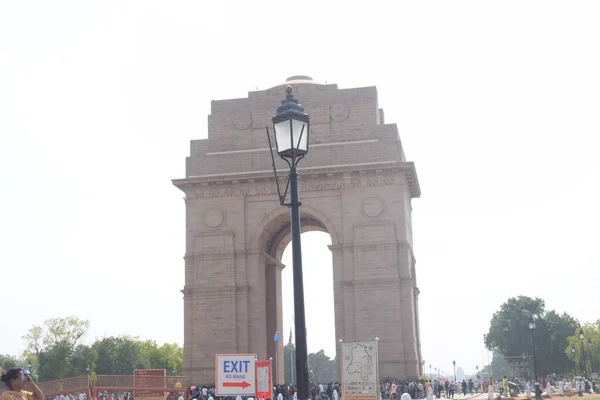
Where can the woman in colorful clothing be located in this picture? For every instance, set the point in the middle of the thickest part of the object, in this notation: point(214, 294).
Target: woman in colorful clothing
point(15, 380)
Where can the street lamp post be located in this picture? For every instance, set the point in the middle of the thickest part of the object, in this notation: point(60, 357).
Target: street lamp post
point(272, 374)
point(579, 390)
point(276, 340)
point(30, 366)
point(538, 390)
point(340, 359)
point(584, 367)
point(454, 366)
point(589, 345)
point(291, 129)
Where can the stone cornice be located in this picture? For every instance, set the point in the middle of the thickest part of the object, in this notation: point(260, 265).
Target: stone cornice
point(213, 289)
point(355, 245)
point(317, 179)
point(375, 282)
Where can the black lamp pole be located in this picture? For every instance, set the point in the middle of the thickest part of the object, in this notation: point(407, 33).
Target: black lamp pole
point(454, 365)
point(538, 390)
point(589, 344)
point(584, 367)
point(291, 128)
point(300, 323)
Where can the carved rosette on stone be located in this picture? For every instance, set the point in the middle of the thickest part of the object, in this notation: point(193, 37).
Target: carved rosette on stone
point(339, 112)
point(372, 207)
point(242, 121)
point(214, 218)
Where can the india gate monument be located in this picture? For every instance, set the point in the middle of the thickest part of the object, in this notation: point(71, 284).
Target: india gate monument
point(355, 184)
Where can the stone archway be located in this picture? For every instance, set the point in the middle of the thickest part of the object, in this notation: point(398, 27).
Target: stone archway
point(272, 236)
point(236, 230)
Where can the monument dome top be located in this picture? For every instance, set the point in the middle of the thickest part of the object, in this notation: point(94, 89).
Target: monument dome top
point(298, 80)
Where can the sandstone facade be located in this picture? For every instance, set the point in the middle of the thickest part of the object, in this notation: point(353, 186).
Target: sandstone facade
point(355, 184)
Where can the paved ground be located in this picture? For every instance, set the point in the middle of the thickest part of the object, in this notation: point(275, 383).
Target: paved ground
point(481, 396)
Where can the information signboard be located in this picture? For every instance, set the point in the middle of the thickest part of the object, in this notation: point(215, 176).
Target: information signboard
point(235, 374)
point(264, 387)
point(360, 371)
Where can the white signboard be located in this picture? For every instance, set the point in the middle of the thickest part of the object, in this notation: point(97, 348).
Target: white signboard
point(360, 371)
point(235, 374)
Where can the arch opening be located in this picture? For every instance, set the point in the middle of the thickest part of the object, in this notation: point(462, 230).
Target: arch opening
point(318, 276)
point(319, 305)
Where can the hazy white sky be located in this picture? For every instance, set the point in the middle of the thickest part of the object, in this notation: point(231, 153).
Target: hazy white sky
point(496, 102)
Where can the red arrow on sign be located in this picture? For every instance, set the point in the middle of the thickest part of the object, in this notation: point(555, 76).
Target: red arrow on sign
point(242, 384)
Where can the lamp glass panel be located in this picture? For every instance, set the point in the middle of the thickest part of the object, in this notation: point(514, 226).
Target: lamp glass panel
point(301, 143)
point(283, 136)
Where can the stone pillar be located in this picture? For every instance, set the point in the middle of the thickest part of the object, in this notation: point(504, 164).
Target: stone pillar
point(275, 317)
point(338, 304)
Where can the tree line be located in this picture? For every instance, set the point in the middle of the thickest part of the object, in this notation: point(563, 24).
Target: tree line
point(557, 342)
point(56, 351)
point(321, 368)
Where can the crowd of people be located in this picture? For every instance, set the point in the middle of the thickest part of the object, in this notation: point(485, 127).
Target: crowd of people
point(16, 380)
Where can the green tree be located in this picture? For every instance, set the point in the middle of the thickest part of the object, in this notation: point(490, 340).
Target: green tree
point(322, 369)
point(54, 361)
point(509, 334)
point(120, 356)
point(82, 356)
point(8, 362)
point(123, 354)
point(56, 351)
point(69, 330)
point(169, 356)
point(591, 332)
point(50, 347)
point(558, 328)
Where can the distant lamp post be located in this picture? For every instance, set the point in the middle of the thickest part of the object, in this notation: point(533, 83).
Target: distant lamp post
point(589, 345)
point(430, 376)
point(341, 342)
point(276, 340)
point(454, 366)
point(538, 390)
point(291, 126)
point(584, 367)
point(30, 366)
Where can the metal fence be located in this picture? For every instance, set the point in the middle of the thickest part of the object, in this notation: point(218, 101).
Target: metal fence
point(64, 386)
point(141, 385)
point(106, 382)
